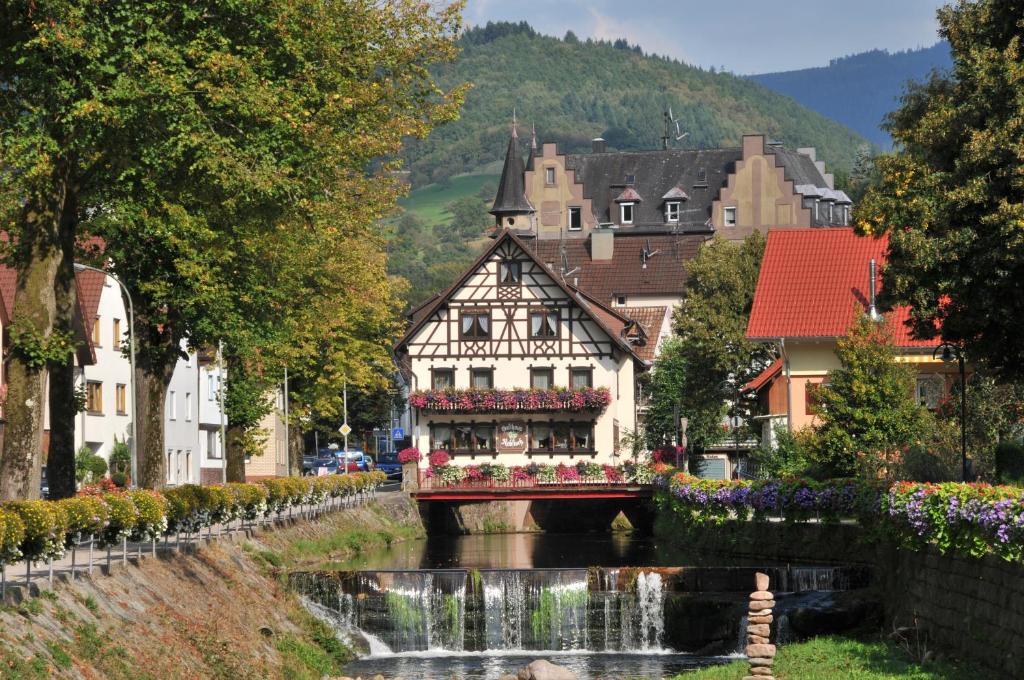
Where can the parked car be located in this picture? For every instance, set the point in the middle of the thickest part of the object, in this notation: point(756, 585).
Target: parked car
point(312, 464)
point(356, 461)
point(44, 485)
point(389, 465)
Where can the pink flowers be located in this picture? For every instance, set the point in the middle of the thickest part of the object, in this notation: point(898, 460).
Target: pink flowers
point(474, 400)
point(439, 458)
point(409, 455)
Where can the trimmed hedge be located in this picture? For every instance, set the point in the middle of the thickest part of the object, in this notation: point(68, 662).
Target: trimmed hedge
point(970, 519)
point(41, 530)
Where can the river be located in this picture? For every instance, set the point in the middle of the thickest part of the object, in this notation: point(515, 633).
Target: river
point(607, 606)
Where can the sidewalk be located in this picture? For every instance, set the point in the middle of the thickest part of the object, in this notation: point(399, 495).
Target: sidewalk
point(19, 581)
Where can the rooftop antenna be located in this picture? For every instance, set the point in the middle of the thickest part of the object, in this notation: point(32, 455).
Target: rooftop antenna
point(646, 253)
point(566, 272)
point(671, 120)
point(515, 125)
point(533, 136)
point(873, 274)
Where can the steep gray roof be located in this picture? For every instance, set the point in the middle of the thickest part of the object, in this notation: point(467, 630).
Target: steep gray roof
point(700, 173)
point(800, 169)
point(511, 196)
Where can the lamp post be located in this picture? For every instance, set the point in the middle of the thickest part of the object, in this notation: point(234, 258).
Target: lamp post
point(949, 352)
point(131, 358)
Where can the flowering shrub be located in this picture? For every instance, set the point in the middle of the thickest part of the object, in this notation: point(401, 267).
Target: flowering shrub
point(409, 455)
point(45, 525)
point(638, 473)
point(439, 458)
point(971, 519)
point(87, 516)
point(546, 474)
point(479, 400)
point(564, 473)
point(12, 535)
point(450, 474)
point(151, 520)
point(496, 471)
point(613, 474)
point(473, 472)
point(123, 517)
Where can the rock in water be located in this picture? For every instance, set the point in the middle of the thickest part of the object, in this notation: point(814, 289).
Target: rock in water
point(545, 670)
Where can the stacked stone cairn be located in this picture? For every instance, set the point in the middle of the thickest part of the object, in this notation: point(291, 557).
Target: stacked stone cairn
point(760, 651)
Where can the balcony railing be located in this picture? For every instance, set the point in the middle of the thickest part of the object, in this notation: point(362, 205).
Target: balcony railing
point(479, 400)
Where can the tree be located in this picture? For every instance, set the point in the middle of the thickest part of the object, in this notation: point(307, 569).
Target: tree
point(710, 357)
point(194, 150)
point(867, 409)
point(951, 198)
point(469, 218)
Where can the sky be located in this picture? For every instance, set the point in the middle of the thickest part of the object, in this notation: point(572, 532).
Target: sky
point(783, 35)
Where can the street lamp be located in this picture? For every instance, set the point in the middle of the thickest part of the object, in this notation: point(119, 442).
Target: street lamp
point(949, 352)
point(131, 357)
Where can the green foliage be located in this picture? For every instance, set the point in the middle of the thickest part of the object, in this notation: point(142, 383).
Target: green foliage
point(827, 658)
point(867, 408)
point(38, 350)
point(709, 358)
point(120, 457)
point(950, 198)
point(89, 467)
point(1010, 462)
point(12, 535)
point(574, 92)
point(45, 527)
point(792, 455)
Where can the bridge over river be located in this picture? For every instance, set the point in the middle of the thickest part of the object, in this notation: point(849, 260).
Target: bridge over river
point(520, 504)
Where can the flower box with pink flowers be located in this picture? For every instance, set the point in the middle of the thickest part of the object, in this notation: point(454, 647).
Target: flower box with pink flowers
point(479, 400)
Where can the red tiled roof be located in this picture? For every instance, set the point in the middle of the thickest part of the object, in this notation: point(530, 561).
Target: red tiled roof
point(814, 283)
point(625, 274)
point(8, 282)
point(764, 376)
point(651, 320)
point(90, 288)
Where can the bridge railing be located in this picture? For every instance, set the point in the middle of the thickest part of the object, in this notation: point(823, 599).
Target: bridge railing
point(435, 483)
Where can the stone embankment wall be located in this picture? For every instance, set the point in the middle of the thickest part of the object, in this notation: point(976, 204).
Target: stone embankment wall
point(971, 608)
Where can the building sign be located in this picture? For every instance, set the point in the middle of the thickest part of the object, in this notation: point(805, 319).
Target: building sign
point(511, 437)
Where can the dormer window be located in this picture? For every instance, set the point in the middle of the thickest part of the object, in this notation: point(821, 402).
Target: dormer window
point(510, 273)
point(626, 213)
point(672, 211)
point(630, 180)
point(549, 176)
point(828, 213)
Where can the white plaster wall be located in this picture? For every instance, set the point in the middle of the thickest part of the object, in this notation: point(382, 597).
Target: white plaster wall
point(111, 369)
point(181, 432)
point(210, 444)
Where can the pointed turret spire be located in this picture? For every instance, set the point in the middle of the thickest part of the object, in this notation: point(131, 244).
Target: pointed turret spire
point(533, 137)
point(511, 197)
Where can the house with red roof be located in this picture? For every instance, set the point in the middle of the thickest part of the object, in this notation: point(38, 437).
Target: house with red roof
point(813, 286)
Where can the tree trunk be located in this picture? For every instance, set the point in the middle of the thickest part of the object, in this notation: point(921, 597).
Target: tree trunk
point(236, 454)
point(37, 259)
point(294, 451)
point(152, 380)
point(60, 464)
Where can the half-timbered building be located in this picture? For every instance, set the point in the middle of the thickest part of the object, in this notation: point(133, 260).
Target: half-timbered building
point(512, 364)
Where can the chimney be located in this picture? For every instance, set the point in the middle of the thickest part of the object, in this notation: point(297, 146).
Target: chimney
point(873, 275)
point(602, 244)
point(598, 145)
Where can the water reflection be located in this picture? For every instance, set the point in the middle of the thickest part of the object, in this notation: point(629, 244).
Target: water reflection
point(530, 551)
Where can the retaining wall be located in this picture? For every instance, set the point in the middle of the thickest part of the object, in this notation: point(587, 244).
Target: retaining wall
point(971, 608)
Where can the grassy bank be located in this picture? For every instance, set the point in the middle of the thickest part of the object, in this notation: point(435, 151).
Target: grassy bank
point(832, 658)
point(219, 613)
point(429, 202)
point(340, 537)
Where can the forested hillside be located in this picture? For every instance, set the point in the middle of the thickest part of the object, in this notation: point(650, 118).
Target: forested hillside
point(860, 89)
point(575, 90)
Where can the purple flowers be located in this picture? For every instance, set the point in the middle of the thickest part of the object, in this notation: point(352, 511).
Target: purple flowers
point(973, 519)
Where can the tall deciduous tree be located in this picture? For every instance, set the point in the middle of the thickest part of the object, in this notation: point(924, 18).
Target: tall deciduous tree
point(952, 195)
point(710, 357)
point(183, 133)
point(868, 413)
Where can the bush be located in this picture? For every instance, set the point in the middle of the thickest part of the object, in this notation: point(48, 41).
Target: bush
point(87, 516)
point(88, 466)
point(409, 455)
point(119, 479)
point(120, 458)
point(124, 517)
point(12, 535)
point(151, 520)
point(1010, 462)
point(45, 525)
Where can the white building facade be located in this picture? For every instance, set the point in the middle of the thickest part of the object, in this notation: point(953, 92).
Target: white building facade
point(511, 365)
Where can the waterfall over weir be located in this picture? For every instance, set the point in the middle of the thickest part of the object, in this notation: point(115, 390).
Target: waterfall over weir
point(493, 610)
